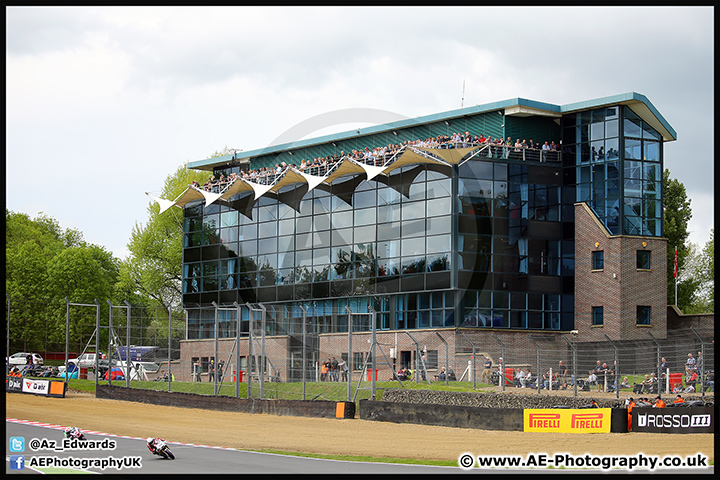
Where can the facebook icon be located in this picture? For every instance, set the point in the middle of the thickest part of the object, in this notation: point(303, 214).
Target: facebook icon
point(17, 462)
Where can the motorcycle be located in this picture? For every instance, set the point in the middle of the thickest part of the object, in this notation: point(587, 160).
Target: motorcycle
point(162, 449)
point(74, 433)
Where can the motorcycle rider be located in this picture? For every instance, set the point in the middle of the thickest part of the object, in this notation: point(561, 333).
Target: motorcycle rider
point(73, 432)
point(151, 444)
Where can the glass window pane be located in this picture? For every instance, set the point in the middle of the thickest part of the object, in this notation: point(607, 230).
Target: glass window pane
point(413, 246)
point(438, 206)
point(342, 237)
point(388, 213)
point(341, 220)
point(633, 149)
point(651, 151)
point(364, 199)
point(597, 131)
point(649, 132)
point(365, 234)
point(413, 210)
point(439, 224)
point(268, 230)
point(611, 128)
point(438, 189)
point(438, 244)
point(611, 148)
point(365, 216)
point(229, 219)
point(413, 227)
point(286, 227)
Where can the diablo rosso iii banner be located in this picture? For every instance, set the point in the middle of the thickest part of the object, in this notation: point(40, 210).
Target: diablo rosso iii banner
point(674, 420)
point(590, 420)
point(48, 388)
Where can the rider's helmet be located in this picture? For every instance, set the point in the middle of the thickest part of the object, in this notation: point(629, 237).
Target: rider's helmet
point(149, 440)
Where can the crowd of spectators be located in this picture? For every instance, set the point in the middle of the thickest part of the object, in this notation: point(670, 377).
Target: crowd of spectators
point(379, 156)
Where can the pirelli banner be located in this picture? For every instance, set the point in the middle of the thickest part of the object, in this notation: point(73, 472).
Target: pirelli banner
point(49, 388)
point(674, 420)
point(581, 420)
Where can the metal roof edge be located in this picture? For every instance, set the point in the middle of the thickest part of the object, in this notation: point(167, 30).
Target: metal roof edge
point(406, 123)
point(624, 98)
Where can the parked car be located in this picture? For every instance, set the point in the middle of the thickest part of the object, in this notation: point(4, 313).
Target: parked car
point(86, 360)
point(20, 358)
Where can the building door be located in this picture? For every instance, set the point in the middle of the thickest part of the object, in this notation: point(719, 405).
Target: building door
point(296, 365)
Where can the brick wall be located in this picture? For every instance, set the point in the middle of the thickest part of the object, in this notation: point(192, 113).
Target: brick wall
point(620, 286)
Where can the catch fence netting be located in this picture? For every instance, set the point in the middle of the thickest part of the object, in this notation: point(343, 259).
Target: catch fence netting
point(311, 352)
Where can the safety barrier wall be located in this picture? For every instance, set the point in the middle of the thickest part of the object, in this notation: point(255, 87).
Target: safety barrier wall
point(509, 419)
point(298, 408)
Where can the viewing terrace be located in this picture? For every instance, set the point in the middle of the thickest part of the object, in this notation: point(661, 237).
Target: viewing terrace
point(379, 161)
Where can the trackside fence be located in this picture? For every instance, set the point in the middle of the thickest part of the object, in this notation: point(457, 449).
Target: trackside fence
point(307, 352)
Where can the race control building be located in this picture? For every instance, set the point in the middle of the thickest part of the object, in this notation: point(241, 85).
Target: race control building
point(434, 231)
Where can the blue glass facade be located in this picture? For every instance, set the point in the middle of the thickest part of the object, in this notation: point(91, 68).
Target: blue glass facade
point(616, 160)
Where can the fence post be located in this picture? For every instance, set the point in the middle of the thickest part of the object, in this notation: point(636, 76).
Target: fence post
point(575, 379)
point(537, 349)
point(7, 337)
point(67, 340)
point(701, 363)
point(502, 364)
point(667, 375)
point(127, 348)
point(169, 349)
point(473, 358)
point(97, 345)
point(237, 350)
point(110, 343)
point(350, 365)
point(617, 370)
point(302, 356)
point(447, 358)
point(214, 368)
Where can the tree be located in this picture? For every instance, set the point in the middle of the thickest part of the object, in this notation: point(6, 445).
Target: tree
point(700, 270)
point(676, 215)
point(154, 267)
point(44, 265)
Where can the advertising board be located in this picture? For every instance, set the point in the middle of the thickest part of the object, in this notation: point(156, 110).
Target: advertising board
point(674, 420)
point(50, 388)
point(581, 420)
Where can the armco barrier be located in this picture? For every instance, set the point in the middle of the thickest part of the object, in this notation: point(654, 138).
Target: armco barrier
point(296, 408)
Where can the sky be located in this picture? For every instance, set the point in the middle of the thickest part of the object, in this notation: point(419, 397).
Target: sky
point(104, 103)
